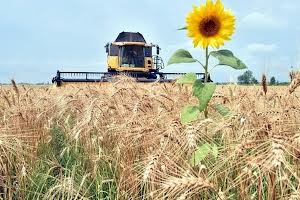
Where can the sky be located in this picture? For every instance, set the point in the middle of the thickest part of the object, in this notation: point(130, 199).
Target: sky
point(37, 38)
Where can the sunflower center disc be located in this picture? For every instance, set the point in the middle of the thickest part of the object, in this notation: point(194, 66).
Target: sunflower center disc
point(209, 26)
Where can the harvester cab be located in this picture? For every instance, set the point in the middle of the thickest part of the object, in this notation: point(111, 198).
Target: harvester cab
point(129, 55)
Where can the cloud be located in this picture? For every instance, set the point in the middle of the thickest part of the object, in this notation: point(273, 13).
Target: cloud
point(260, 20)
point(262, 48)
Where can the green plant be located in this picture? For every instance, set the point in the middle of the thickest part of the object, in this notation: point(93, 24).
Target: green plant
point(64, 171)
point(208, 25)
point(203, 90)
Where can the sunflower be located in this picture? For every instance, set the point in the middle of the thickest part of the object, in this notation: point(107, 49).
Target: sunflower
point(210, 24)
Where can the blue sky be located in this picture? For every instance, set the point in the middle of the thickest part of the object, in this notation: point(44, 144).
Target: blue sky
point(38, 37)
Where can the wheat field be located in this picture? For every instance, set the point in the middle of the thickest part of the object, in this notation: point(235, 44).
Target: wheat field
point(125, 141)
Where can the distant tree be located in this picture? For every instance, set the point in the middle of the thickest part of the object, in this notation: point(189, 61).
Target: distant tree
point(247, 78)
point(254, 80)
point(272, 81)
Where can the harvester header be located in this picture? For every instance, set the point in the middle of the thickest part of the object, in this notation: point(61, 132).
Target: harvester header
point(129, 55)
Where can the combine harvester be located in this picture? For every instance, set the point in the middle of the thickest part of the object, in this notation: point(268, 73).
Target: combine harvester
point(128, 55)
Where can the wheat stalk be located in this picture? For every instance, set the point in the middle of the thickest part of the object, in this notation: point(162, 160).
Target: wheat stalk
point(295, 82)
point(264, 84)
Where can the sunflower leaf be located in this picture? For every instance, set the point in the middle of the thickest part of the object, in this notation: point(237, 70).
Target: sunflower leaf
point(181, 56)
point(226, 57)
point(204, 93)
point(189, 114)
point(215, 151)
point(222, 110)
point(188, 78)
point(200, 154)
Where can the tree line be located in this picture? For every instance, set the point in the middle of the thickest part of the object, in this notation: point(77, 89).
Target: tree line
point(248, 78)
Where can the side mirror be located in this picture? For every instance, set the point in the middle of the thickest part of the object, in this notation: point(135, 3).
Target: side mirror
point(157, 50)
point(106, 48)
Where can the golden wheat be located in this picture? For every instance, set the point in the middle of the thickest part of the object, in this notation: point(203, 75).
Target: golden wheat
point(135, 130)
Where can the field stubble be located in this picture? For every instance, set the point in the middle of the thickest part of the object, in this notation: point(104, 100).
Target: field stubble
point(125, 141)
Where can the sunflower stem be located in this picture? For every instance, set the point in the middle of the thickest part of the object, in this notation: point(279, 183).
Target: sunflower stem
point(206, 76)
point(206, 64)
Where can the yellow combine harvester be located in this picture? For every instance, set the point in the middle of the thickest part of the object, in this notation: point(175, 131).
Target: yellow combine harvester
point(129, 55)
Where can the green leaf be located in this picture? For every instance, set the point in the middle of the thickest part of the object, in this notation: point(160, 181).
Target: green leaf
point(200, 154)
point(188, 78)
point(181, 29)
point(215, 151)
point(181, 56)
point(203, 92)
point(189, 114)
point(207, 92)
point(224, 111)
point(197, 89)
point(226, 57)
